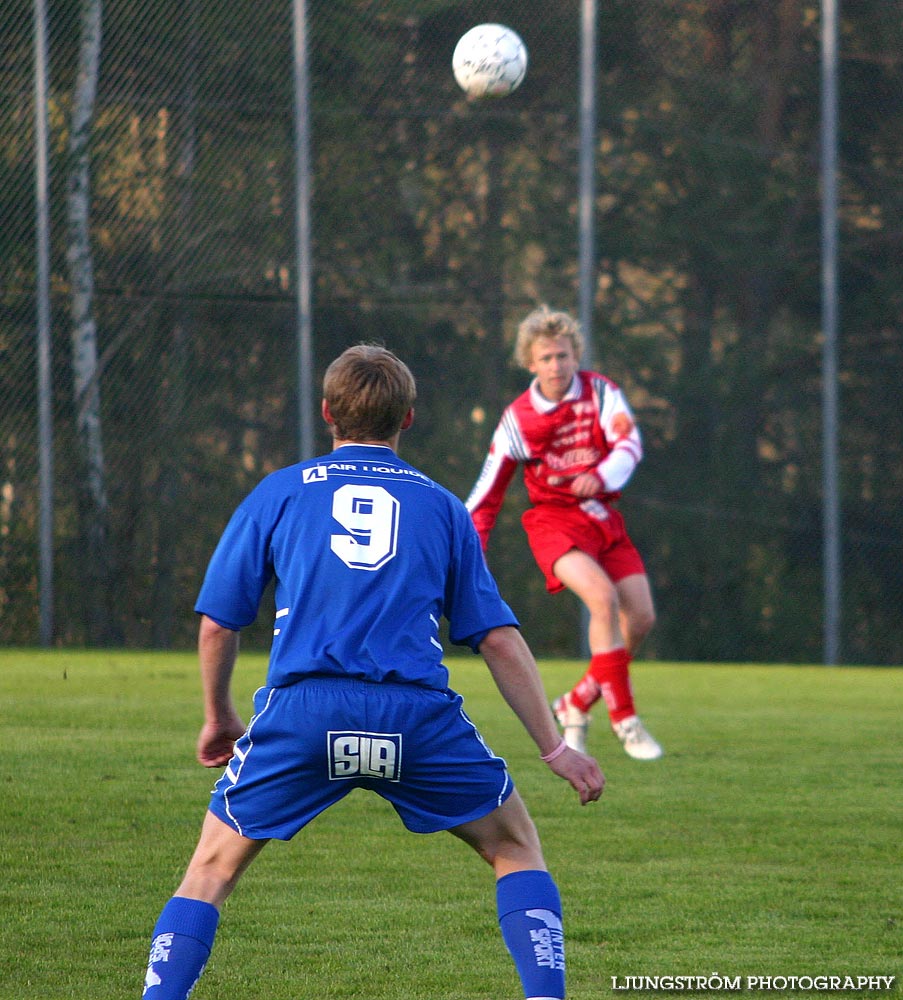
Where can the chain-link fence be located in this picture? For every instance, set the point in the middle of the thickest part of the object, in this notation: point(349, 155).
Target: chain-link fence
point(437, 222)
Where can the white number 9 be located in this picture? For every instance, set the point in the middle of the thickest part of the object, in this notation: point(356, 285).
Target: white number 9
point(370, 516)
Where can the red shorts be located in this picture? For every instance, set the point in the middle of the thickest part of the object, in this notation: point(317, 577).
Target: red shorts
point(552, 531)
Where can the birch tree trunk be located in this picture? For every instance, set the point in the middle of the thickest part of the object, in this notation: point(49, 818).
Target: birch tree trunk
point(86, 375)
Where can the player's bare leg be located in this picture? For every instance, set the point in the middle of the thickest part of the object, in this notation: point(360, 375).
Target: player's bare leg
point(183, 936)
point(636, 610)
point(608, 676)
point(581, 574)
point(505, 838)
point(219, 860)
point(529, 906)
point(585, 577)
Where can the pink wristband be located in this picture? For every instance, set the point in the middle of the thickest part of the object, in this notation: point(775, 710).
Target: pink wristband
point(557, 752)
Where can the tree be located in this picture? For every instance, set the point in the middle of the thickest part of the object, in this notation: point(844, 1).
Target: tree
point(94, 506)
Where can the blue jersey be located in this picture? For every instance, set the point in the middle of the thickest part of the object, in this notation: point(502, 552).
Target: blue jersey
point(368, 554)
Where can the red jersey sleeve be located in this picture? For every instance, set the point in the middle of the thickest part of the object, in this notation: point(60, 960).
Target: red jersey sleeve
point(488, 493)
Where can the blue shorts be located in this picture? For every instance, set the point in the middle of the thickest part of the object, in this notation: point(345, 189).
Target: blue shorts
point(310, 744)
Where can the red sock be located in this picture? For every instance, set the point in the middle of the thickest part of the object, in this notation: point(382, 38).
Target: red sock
point(608, 677)
point(586, 692)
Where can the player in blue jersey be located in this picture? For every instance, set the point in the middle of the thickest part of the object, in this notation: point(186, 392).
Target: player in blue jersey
point(368, 554)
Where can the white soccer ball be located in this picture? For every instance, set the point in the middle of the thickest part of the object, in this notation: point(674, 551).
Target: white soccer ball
point(490, 60)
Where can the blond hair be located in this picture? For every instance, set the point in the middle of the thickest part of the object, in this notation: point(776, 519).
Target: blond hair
point(545, 322)
point(369, 391)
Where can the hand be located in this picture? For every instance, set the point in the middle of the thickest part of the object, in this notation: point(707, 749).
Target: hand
point(584, 484)
point(217, 740)
point(583, 773)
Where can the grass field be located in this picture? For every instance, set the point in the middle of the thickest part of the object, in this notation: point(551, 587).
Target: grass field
point(767, 842)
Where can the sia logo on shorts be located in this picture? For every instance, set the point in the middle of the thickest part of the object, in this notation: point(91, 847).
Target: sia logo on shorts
point(364, 755)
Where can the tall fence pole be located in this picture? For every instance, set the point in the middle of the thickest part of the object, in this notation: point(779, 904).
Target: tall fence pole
point(587, 174)
point(586, 209)
point(831, 502)
point(302, 228)
point(42, 297)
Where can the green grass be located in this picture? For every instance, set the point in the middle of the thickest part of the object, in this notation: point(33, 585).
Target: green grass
point(766, 842)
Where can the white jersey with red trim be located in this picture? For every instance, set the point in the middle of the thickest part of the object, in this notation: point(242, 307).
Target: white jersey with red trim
point(591, 429)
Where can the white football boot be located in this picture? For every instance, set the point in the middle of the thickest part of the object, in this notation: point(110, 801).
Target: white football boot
point(636, 740)
point(573, 722)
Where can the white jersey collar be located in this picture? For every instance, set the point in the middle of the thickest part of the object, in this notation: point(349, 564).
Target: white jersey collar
point(543, 405)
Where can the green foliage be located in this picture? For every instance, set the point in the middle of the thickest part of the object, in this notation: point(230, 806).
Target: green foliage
point(437, 222)
point(765, 842)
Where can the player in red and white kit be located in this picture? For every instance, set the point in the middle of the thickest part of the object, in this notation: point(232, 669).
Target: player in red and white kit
point(575, 436)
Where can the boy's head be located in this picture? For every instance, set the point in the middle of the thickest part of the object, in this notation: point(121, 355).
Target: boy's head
point(545, 322)
point(369, 394)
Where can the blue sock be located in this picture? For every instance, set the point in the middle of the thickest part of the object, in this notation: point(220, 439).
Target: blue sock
point(183, 938)
point(529, 909)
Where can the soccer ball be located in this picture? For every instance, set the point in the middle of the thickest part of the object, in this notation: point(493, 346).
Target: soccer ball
point(490, 60)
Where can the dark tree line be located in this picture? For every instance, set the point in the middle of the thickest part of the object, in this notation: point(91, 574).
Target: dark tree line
point(437, 223)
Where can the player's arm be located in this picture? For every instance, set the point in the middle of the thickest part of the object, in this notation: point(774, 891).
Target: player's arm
point(514, 671)
point(623, 436)
point(486, 497)
point(625, 442)
point(217, 652)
